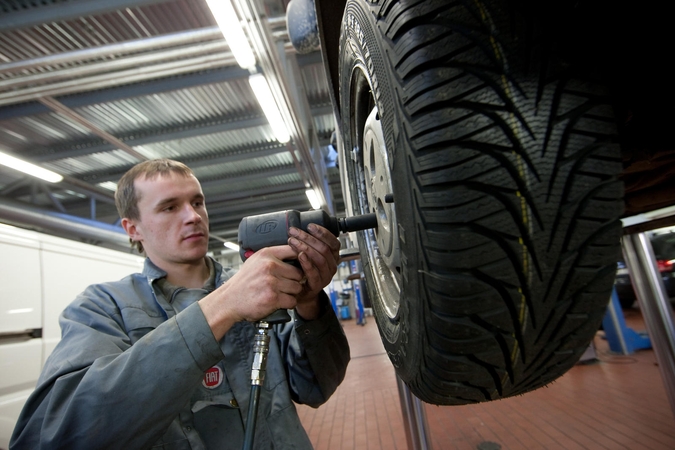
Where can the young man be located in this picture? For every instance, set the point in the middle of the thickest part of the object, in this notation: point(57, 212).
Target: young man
point(163, 359)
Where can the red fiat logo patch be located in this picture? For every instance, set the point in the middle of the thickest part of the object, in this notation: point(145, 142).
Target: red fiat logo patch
point(213, 378)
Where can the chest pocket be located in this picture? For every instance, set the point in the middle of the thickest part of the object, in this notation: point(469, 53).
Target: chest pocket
point(138, 322)
point(213, 391)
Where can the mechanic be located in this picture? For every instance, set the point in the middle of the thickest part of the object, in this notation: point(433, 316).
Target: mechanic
point(163, 359)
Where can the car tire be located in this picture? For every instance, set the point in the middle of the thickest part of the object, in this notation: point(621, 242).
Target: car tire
point(488, 152)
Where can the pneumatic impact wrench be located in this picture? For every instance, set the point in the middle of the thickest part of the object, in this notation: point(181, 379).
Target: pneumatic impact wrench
point(267, 230)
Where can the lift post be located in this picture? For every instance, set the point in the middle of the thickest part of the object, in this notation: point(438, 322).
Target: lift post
point(654, 303)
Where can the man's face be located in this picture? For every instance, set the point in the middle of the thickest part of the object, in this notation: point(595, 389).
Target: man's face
point(173, 225)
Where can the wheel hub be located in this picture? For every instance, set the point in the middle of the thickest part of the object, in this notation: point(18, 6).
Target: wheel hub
point(382, 245)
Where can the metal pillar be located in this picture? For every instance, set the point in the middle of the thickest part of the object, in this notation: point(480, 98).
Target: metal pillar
point(655, 305)
point(415, 418)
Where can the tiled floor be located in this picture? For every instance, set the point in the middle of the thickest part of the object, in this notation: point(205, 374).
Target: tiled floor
point(616, 403)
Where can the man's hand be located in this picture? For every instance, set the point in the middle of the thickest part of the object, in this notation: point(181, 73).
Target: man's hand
point(318, 253)
point(264, 284)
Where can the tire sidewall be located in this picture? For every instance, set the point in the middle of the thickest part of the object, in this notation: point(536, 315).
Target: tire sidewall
point(361, 48)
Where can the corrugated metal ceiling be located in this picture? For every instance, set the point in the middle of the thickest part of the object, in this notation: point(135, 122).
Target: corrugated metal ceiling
point(157, 76)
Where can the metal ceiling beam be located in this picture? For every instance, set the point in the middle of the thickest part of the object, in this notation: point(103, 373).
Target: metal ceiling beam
point(106, 80)
point(284, 170)
point(251, 195)
point(242, 154)
point(266, 204)
point(273, 202)
point(72, 115)
point(103, 213)
point(68, 184)
point(13, 186)
point(117, 49)
point(114, 63)
point(86, 187)
point(60, 11)
point(157, 136)
point(55, 201)
point(145, 88)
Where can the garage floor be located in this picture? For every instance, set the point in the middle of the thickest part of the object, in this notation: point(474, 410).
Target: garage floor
point(616, 403)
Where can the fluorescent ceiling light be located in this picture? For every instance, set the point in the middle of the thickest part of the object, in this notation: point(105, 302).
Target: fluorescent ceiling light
point(313, 198)
point(110, 185)
point(231, 246)
point(264, 95)
point(30, 169)
point(228, 22)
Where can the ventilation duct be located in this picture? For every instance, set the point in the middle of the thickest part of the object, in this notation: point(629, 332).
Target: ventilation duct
point(64, 225)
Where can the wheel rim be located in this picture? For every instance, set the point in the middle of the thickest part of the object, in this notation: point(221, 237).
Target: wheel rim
point(373, 183)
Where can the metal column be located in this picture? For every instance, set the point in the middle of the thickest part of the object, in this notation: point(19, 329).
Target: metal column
point(415, 418)
point(655, 305)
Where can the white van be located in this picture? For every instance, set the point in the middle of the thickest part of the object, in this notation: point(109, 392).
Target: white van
point(39, 276)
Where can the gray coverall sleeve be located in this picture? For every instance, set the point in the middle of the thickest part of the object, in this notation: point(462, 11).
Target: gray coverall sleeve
point(97, 387)
point(316, 355)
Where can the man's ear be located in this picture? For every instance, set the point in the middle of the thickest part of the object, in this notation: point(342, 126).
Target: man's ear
point(132, 230)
